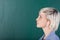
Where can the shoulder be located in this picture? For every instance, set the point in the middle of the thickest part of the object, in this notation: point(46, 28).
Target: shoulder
point(51, 37)
point(54, 37)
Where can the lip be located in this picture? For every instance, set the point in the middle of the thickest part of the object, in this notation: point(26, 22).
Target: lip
point(37, 23)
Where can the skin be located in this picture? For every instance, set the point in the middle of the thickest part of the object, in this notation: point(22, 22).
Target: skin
point(44, 23)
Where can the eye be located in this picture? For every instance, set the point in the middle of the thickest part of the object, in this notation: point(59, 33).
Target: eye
point(44, 12)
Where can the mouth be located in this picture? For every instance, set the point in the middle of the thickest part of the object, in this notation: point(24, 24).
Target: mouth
point(37, 23)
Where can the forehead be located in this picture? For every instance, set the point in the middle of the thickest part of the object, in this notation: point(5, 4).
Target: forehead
point(42, 14)
point(44, 11)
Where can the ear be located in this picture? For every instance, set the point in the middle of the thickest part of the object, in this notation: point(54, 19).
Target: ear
point(48, 22)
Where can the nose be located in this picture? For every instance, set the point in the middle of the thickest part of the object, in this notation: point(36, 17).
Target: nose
point(36, 19)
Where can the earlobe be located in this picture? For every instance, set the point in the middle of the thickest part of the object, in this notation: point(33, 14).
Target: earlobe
point(48, 22)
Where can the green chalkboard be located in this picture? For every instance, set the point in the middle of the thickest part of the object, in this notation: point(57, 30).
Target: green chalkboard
point(18, 18)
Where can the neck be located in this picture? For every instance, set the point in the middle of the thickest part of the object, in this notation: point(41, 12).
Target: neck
point(47, 31)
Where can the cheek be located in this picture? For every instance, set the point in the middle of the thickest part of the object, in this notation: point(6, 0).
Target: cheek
point(42, 23)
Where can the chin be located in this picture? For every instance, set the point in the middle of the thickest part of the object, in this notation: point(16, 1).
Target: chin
point(38, 26)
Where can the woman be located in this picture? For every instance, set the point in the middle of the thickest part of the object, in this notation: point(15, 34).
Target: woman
point(48, 20)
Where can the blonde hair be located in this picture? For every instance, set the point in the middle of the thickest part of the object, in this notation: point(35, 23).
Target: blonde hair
point(53, 15)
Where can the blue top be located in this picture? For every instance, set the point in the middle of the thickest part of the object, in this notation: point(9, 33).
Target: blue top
point(51, 36)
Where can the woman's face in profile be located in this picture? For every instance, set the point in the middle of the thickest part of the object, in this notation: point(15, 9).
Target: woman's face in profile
point(41, 20)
